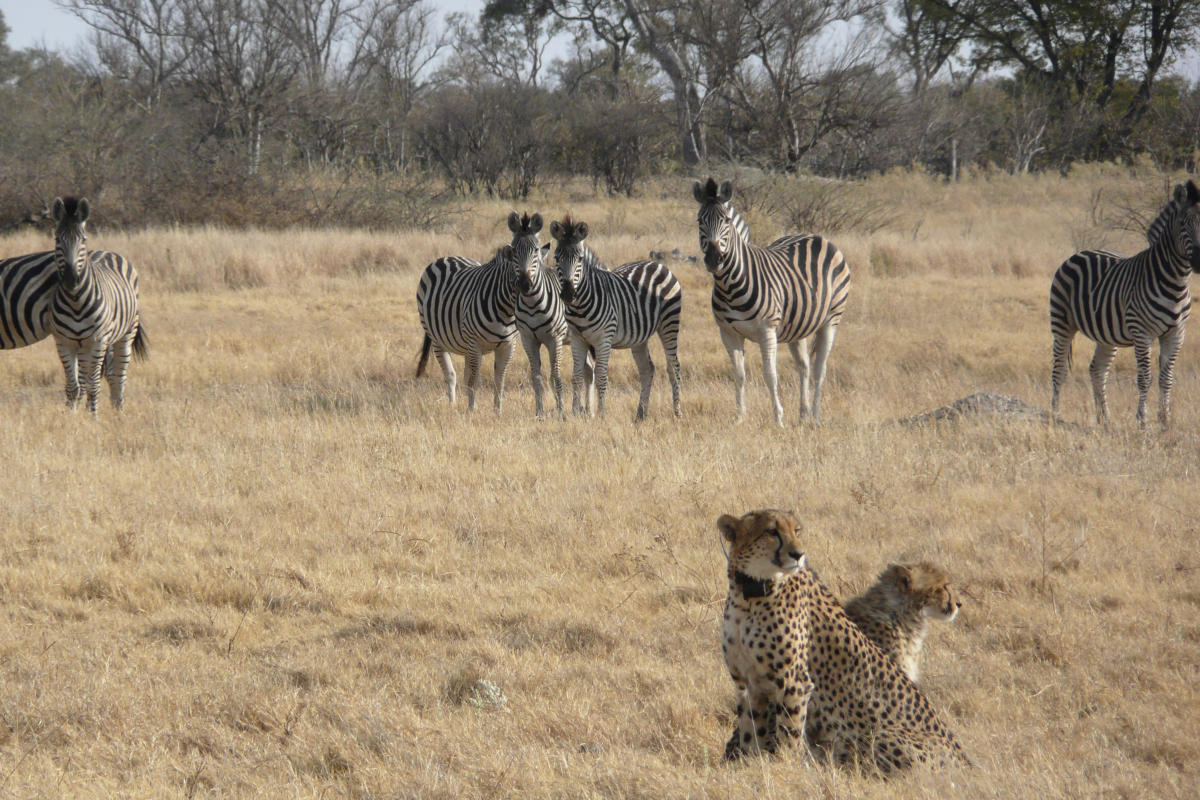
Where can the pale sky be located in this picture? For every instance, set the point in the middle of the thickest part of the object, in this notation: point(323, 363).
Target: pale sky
point(37, 22)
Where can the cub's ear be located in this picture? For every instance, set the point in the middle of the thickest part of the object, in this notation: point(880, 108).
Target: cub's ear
point(698, 191)
point(902, 574)
point(535, 223)
point(556, 229)
point(729, 525)
point(514, 222)
point(726, 192)
point(58, 210)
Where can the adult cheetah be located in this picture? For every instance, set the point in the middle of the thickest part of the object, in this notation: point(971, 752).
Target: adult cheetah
point(895, 611)
point(793, 653)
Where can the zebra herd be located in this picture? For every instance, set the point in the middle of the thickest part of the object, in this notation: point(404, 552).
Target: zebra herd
point(792, 291)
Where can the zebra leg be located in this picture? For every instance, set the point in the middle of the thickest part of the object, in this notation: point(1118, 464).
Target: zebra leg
point(1141, 353)
point(90, 368)
point(770, 348)
point(555, 349)
point(1099, 372)
point(1168, 348)
point(69, 357)
point(579, 354)
point(735, 345)
point(503, 356)
point(533, 351)
point(116, 364)
point(671, 351)
point(472, 377)
point(1061, 367)
point(603, 353)
point(800, 356)
point(641, 356)
point(821, 348)
point(443, 358)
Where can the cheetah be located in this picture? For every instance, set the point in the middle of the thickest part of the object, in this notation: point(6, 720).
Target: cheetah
point(895, 612)
point(799, 663)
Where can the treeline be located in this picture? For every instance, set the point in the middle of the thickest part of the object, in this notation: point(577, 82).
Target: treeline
point(380, 112)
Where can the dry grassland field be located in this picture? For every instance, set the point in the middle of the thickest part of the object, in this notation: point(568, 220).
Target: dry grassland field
point(289, 569)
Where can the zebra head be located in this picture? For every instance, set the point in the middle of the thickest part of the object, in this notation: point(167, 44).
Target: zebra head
point(1187, 229)
point(528, 257)
point(70, 237)
point(715, 220)
point(568, 254)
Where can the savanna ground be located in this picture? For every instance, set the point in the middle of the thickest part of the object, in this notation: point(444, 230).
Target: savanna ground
point(289, 569)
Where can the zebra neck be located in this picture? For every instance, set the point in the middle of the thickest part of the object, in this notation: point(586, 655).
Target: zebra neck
point(503, 284)
point(591, 265)
point(85, 284)
point(1175, 261)
point(732, 271)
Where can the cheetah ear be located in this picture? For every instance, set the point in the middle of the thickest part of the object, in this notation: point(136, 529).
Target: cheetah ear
point(902, 574)
point(729, 525)
point(58, 210)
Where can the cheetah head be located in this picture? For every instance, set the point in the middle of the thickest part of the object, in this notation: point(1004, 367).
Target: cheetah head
point(923, 586)
point(763, 544)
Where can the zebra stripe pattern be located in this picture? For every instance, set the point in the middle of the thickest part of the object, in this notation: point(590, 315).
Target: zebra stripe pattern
point(469, 309)
point(1129, 302)
point(27, 285)
point(618, 309)
point(788, 291)
point(94, 312)
point(541, 315)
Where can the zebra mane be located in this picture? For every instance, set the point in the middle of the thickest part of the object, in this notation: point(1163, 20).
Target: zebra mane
point(572, 231)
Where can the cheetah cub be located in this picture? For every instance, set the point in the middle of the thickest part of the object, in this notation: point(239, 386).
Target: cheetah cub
point(895, 612)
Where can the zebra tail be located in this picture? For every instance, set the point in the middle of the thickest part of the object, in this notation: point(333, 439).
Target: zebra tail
point(141, 343)
point(425, 346)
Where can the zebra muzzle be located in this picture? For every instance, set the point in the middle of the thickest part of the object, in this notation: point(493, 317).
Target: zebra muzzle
point(712, 257)
point(568, 291)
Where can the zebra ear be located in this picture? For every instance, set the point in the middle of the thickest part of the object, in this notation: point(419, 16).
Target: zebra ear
point(1193, 194)
point(556, 229)
point(535, 223)
point(581, 231)
point(505, 252)
point(514, 222)
point(58, 210)
point(726, 192)
point(84, 210)
point(698, 191)
point(545, 252)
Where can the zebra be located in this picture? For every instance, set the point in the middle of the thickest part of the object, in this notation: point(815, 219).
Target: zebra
point(27, 285)
point(1129, 302)
point(94, 313)
point(793, 288)
point(621, 308)
point(541, 318)
point(469, 308)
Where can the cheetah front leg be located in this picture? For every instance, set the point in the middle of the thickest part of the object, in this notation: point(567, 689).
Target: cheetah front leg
point(755, 731)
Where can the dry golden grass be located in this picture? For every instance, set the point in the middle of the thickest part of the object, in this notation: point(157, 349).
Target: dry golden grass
point(283, 571)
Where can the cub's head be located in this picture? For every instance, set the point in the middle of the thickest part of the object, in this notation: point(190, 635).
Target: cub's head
point(923, 586)
point(763, 544)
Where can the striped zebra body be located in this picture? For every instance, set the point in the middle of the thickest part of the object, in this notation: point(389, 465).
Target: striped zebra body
point(94, 312)
point(27, 284)
point(792, 289)
point(469, 309)
point(616, 309)
point(541, 320)
point(1129, 302)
